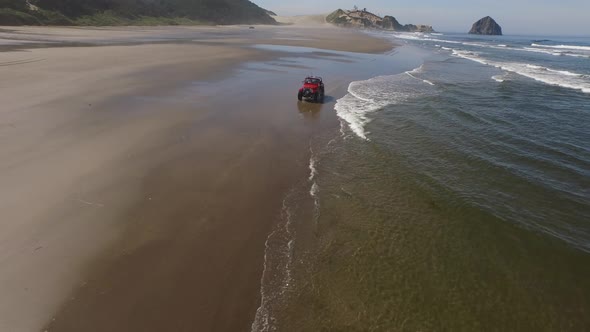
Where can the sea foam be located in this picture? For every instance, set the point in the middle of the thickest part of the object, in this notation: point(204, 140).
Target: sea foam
point(555, 50)
point(366, 97)
point(562, 78)
point(566, 47)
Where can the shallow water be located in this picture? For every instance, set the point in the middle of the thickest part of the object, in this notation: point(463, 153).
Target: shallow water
point(456, 195)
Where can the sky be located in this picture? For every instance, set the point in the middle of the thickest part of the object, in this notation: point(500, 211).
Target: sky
point(541, 17)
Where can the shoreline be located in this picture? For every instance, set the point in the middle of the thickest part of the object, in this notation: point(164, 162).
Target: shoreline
point(322, 36)
point(106, 216)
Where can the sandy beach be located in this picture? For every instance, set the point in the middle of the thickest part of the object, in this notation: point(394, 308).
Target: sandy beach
point(142, 169)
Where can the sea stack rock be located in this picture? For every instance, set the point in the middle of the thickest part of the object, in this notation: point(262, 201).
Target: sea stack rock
point(486, 26)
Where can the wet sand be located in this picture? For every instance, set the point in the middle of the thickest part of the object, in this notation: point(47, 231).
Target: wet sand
point(138, 180)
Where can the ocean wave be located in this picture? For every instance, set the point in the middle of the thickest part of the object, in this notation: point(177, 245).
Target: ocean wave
point(353, 111)
point(558, 50)
point(541, 50)
point(498, 78)
point(473, 56)
point(422, 37)
point(555, 52)
point(565, 47)
point(409, 36)
point(562, 78)
point(366, 97)
point(415, 71)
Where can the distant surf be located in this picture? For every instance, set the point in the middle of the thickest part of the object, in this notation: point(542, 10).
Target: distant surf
point(581, 51)
point(562, 78)
point(567, 47)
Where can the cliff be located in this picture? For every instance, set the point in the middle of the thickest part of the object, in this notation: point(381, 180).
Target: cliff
point(367, 20)
point(486, 26)
point(131, 12)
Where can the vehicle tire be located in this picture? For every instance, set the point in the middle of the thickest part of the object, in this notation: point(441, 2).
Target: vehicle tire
point(316, 97)
point(300, 96)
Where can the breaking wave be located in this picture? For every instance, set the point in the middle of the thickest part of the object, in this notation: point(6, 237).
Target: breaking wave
point(562, 78)
point(366, 97)
point(566, 47)
point(499, 78)
point(556, 50)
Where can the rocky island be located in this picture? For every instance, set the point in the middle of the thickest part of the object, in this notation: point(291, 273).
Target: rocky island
point(358, 18)
point(486, 26)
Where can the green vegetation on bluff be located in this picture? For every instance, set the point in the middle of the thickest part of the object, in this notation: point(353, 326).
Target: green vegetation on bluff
point(131, 12)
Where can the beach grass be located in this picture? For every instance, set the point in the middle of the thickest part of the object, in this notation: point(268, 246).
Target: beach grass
point(14, 17)
point(109, 18)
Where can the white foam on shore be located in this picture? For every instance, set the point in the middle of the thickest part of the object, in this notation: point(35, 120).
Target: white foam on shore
point(277, 267)
point(315, 188)
point(366, 97)
point(562, 78)
point(261, 321)
point(353, 111)
point(312, 166)
point(279, 253)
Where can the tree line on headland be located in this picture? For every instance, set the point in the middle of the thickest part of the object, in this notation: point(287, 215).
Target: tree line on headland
point(131, 12)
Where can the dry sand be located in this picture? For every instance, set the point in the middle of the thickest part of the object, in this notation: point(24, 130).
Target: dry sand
point(126, 205)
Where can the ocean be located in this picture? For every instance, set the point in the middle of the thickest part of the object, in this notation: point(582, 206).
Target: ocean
point(455, 195)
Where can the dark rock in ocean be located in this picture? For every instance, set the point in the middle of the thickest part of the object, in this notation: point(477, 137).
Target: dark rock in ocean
point(486, 26)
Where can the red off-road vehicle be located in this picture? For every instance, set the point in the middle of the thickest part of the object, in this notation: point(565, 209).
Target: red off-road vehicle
point(312, 90)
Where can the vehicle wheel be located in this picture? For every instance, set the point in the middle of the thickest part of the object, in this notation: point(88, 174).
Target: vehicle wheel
point(300, 96)
point(316, 97)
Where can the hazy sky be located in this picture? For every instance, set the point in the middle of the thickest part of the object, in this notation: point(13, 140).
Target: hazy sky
point(566, 17)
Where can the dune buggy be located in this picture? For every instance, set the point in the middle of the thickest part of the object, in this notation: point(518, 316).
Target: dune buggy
point(312, 90)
